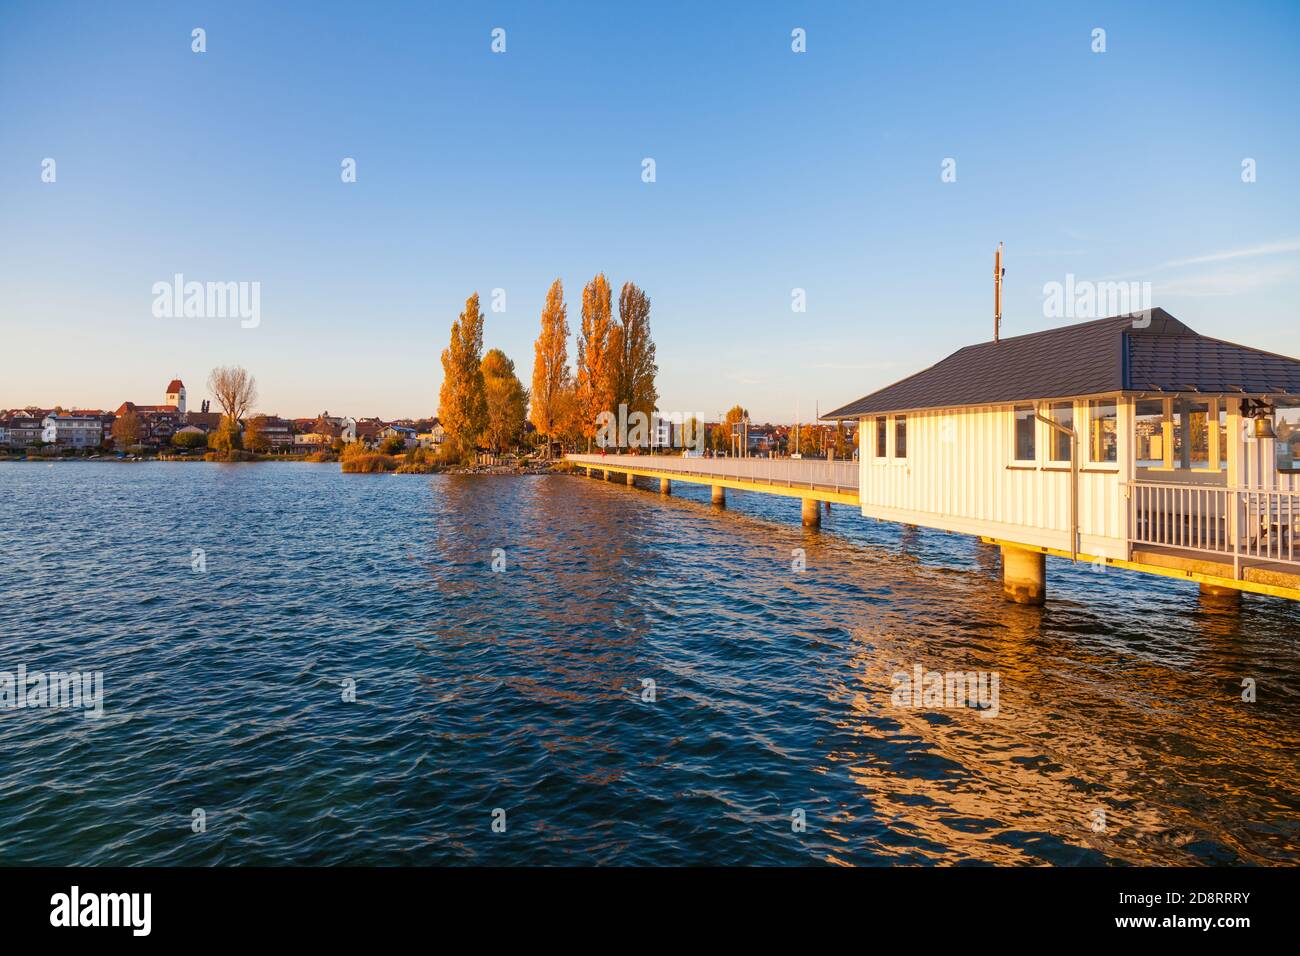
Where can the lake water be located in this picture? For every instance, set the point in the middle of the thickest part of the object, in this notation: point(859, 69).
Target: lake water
point(1120, 734)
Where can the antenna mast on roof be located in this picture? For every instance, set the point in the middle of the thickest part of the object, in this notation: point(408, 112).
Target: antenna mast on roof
point(998, 273)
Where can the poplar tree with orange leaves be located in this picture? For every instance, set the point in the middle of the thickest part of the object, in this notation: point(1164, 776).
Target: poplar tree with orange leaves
point(595, 358)
point(507, 401)
point(552, 380)
point(633, 352)
point(462, 401)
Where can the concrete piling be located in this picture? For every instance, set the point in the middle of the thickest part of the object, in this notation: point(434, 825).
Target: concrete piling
point(1024, 575)
point(1220, 596)
point(665, 486)
point(812, 513)
point(719, 496)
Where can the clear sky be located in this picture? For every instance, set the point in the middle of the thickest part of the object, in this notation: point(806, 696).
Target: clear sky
point(775, 170)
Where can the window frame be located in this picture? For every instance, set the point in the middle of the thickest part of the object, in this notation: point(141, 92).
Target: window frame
point(880, 437)
point(1102, 463)
point(1279, 443)
point(897, 421)
point(1055, 438)
point(1016, 409)
point(1216, 461)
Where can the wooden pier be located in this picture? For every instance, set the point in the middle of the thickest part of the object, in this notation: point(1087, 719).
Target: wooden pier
point(1241, 563)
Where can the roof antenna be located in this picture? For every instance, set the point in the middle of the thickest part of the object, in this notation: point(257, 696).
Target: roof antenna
point(998, 273)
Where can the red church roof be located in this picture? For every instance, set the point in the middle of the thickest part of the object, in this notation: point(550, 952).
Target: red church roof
point(175, 386)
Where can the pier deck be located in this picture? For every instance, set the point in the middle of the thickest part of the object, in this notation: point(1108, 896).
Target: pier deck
point(814, 479)
point(818, 480)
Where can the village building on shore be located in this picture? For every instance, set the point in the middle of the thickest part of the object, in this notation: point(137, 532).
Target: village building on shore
point(156, 428)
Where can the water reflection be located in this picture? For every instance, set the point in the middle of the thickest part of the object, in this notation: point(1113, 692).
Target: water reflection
point(1121, 734)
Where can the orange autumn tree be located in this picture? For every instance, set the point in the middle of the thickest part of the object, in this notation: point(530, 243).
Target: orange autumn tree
point(722, 434)
point(595, 358)
point(462, 400)
point(551, 408)
point(633, 367)
point(507, 401)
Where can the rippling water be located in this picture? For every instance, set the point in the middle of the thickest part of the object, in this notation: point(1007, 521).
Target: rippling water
point(523, 690)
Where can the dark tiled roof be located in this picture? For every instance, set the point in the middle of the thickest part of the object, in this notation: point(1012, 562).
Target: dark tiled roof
point(207, 420)
point(1118, 354)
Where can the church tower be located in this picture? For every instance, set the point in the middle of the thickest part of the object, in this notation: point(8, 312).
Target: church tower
point(176, 395)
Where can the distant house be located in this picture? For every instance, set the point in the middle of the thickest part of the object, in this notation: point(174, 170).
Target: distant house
point(75, 432)
point(368, 430)
point(157, 422)
point(336, 427)
point(434, 436)
point(207, 421)
point(278, 431)
point(24, 428)
point(405, 433)
point(188, 430)
point(310, 441)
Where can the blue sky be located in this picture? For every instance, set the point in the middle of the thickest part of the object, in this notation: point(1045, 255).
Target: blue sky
point(775, 171)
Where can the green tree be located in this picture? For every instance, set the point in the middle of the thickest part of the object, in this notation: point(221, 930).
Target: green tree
point(462, 401)
point(190, 440)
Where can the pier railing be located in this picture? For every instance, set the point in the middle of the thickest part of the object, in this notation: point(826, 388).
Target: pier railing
point(788, 472)
point(1235, 523)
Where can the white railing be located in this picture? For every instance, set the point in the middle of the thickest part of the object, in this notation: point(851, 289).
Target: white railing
point(790, 472)
point(1237, 523)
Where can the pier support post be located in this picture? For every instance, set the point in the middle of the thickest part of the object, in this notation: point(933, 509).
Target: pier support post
point(665, 486)
point(629, 479)
point(1220, 597)
point(812, 513)
point(719, 496)
point(1024, 575)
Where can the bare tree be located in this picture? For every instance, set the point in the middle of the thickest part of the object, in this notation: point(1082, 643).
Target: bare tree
point(234, 389)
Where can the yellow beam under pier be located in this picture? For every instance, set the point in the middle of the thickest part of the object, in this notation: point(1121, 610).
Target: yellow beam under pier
point(1211, 574)
point(1182, 569)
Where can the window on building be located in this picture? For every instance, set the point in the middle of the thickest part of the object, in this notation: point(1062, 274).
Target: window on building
point(882, 437)
point(1286, 425)
point(1063, 414)
point(1102, 430)
point(1191, 428)
point(1223, 434)
point(1149, 428)
point(900, 436)
point(1026, 427)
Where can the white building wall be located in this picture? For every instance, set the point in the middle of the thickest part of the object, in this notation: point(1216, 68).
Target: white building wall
point(960, 475)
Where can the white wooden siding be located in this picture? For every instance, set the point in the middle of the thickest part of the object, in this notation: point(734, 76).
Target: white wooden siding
point(959, 475)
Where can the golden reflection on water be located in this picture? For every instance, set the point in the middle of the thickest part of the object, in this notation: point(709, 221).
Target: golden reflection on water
point(1107, 746)
point(1152, 747)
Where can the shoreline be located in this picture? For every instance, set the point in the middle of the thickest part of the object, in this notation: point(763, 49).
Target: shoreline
point(538, 468)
